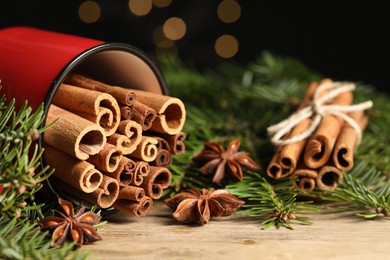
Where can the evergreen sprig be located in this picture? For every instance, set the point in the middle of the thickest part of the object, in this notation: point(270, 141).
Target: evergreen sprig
point(363, 189)
point(23, 239)
point(275, 202)
point(21, 175)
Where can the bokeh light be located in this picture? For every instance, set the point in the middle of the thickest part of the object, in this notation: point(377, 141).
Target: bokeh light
point(226, 46)
point(140, 7)
point(89, 12)
point(229, 11)
point(162, 3)
point(174, 28)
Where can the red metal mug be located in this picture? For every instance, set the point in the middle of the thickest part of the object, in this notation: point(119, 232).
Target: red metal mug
point(34, 63)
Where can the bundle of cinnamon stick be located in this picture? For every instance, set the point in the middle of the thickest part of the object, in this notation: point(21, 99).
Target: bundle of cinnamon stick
point(112, 146)
point(320, 159)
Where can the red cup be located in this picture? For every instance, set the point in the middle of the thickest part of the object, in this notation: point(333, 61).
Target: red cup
point(34, 63)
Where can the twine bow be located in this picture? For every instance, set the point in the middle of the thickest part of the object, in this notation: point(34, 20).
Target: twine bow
point(317, 110)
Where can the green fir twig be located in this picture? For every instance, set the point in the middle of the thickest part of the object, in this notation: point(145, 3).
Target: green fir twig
point(275, 203)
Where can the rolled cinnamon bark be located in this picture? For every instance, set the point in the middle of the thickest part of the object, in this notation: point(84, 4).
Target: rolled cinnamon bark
point(131, 193)
point(122, 143)
point(103, 197)
point(141, 170)
point(346, 143)
point(320, 145)
point(170, 111)
point(304, 179)
point(126, 112)
point(275, 169)
point(78, 173)
point(125, 171)
point(137, 209)
point(146, 150)
point(164, 157)
point(107, 159)
point(175, 142)
point(328, 177)
point(291, 153)
point(143, 115)
point(133, 131)
point(122, 95)
point(80, 140)
point(101, 108)
point(158, 179)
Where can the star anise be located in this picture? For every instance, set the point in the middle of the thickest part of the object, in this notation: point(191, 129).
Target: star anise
point(66, 225)
point(193, 206)
point(215, 160)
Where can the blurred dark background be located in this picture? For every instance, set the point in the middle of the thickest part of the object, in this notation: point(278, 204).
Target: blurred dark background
point(344, 43)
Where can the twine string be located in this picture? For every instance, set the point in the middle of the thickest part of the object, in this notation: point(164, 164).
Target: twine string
point(316, 110)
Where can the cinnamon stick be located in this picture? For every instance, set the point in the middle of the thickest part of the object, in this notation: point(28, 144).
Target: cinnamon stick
point(126, 112)
point(146, 150)
point(328, 177)
point(275, 169)
point(107, 159)
point(346, 143)
point(128, 136)
point(103, 197)
point(141, 170)
point(80, 140)
point(170, 111)
point(304, 179)
point(125, 171)
point(122, 95)
point(101, 108)
point(138, 209)
point(291, 153)
point(143, 115)
point(320, 145)
point(158, 179)
point(131, 193)
point(132, 130)
point(164, 157)
point(78, 173)
point(175, 142)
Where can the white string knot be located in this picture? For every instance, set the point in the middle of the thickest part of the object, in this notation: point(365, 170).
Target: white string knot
point(316, 110)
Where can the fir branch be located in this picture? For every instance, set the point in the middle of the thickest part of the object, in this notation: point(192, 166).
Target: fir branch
point(275, 203)
point(22, 239)
point(365, 189)
point(21, 175)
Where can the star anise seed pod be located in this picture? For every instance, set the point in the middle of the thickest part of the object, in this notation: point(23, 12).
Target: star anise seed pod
point(193, 206)
point(68, 226)
point(215, 160)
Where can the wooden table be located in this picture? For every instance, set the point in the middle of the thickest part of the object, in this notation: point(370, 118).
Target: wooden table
point(158, 236)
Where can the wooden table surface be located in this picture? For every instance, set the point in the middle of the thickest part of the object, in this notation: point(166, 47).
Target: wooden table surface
point(158, 236)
